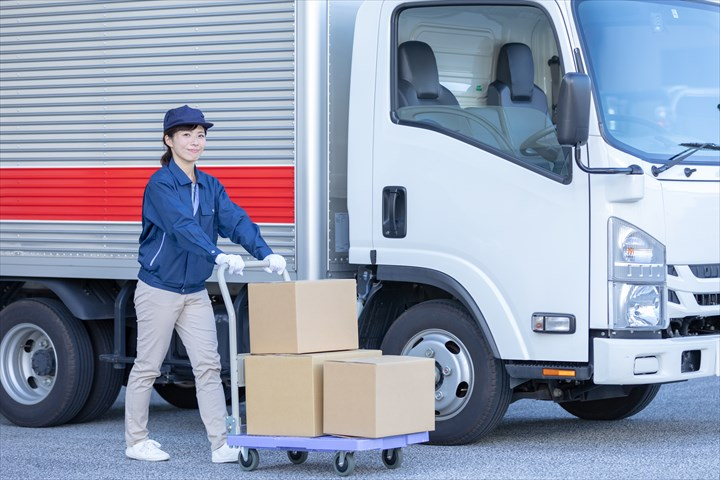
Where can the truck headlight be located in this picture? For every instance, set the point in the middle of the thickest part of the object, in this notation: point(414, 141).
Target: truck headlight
point(636, 279)
point(638, 306)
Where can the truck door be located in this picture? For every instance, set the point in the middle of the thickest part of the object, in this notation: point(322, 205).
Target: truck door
point(468, 177)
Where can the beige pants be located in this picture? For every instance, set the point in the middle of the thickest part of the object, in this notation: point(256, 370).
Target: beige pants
point(158, 313)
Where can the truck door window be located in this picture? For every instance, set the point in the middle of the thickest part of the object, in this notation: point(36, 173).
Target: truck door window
point(481, 74)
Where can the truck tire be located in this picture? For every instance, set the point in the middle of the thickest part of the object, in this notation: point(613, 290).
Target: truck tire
point(107, 380)
point(46, 363)
point(472, 390)
point(613, 408)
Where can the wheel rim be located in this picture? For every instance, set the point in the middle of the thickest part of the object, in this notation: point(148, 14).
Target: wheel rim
point(29, 364)
point(454, 373)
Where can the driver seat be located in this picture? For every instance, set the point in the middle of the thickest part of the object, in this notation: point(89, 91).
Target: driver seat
point(514, 80)
point(523, 105)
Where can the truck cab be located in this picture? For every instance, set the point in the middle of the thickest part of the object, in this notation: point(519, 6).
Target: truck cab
point(542, 254)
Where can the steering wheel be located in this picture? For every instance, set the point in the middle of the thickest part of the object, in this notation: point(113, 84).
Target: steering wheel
point(532, 146)
point(411, 113)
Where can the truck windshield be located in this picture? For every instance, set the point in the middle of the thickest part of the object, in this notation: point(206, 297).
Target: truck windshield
point(655, 67)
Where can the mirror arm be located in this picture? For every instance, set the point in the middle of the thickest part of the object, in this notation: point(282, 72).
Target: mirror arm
point(631, 170)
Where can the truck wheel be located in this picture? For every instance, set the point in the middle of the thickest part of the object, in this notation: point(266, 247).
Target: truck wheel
point(613, 408)
point(46, 363)
point(107, 380)
point(472, 390)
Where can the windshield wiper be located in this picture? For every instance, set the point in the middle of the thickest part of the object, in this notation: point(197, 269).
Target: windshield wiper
point(679, 157)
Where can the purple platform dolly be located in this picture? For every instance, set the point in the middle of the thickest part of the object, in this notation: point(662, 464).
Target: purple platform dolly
point(297, 448)
point(327, 443)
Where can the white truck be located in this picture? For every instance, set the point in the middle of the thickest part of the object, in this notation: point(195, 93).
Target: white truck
point(527, 192)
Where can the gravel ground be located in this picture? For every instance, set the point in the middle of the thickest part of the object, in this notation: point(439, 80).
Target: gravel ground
point(676, 437)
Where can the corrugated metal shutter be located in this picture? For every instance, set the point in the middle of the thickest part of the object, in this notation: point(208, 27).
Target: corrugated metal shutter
point(86, 83)
point(89, 82)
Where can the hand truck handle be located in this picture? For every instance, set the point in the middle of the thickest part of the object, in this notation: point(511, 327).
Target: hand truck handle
point(232, 333)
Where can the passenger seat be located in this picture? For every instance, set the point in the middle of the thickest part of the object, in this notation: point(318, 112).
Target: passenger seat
point(418, 80)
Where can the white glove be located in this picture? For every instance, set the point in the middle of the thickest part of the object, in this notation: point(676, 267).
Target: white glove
point(277, 264)
point(235, 263)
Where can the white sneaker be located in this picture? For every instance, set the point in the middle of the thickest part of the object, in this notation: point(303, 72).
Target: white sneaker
point(225, 454)
point(147, 450)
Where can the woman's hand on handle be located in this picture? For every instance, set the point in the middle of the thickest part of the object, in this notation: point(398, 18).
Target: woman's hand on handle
point(276, 264)
point(235, 263)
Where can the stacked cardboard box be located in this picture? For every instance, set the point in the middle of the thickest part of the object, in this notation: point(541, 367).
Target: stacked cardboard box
point(303, 317)
point(306, 376)
point(379, 397)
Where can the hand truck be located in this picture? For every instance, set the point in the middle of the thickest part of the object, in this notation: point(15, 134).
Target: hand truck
point(297, 448)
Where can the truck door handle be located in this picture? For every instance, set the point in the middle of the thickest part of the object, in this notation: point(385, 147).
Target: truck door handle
point(394, 221)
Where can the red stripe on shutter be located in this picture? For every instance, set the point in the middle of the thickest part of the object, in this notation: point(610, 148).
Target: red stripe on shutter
point(105, 194)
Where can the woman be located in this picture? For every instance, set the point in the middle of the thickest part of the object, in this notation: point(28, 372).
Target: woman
point(184, 210)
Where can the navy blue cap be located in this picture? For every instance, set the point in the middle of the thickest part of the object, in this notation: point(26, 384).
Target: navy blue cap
point(184, 116)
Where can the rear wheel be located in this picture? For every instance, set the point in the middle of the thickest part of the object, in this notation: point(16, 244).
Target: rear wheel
point(472, 390)
point(613, 408)
point(46, 363)
point(107, 380)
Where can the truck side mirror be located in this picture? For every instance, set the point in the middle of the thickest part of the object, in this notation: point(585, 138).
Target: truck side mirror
point(573, 109)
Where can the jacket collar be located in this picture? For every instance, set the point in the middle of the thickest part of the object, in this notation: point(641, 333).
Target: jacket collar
point(180, 176)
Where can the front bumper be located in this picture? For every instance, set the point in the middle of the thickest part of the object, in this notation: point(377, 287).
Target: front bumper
point(644, 361)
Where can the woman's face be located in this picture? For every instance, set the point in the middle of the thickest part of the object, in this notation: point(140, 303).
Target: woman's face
point(187, 145)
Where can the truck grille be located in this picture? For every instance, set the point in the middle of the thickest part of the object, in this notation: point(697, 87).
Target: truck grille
point(706, 271)
point(694, 299)
point(707, 299)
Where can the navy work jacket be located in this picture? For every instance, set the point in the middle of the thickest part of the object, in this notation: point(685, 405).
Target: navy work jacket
point(178, 249)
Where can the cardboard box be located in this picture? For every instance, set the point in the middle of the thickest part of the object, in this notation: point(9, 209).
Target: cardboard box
point(284, 393)
point(303, 317)
point(379, 397)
